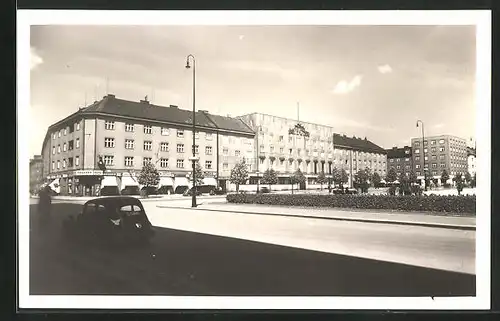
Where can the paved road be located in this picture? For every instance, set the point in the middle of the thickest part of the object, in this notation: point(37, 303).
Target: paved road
point(187, 263)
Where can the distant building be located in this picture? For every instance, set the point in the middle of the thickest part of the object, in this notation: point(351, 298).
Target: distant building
point(444, 152)
point(36, 172)
point(400, 159)
point(322, 151)
point(124, 135)
point(471, 160)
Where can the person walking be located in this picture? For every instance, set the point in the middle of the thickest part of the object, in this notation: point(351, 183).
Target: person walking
point(44, 206)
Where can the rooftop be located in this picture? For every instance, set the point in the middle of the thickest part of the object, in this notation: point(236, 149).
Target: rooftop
point(398, 152)
point(355, 143)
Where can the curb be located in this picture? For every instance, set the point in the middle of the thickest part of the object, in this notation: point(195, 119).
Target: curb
point(363, 220)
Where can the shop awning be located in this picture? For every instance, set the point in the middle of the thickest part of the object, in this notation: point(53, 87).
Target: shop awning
point(165, 181)
point(109, 181)
point(55, 186)
point(181, 181)
point(128, 181)
point(209, 181)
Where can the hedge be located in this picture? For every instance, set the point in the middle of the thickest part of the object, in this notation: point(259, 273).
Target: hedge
point(432, 203)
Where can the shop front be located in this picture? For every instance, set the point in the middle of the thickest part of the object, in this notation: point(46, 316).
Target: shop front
point(166, 184)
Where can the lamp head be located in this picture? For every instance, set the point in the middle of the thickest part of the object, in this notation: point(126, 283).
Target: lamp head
point(187, 63)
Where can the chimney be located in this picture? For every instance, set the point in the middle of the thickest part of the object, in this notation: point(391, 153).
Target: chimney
point(174, 106)
point(142, 101)
point(110, 96)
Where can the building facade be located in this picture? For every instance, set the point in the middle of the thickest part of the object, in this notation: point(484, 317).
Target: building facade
point(400, 159)
point(124, 135)
point(36, 173)
point(440, 153)
point(323, 150)
point(471, 160)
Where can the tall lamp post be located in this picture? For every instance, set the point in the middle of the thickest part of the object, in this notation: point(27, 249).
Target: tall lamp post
point(193, 203)
point(423, 150)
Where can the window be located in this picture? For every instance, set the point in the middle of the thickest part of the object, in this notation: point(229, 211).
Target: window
point(77, 160)
point(64, 147)
point(109, 125)
point(129, 144)
point(70, 162)
point(417, 173)
point(70, 145)
point(180, 134)
point(441, 156)
point(434, 165)
point(148, 145)
point(58, 149)
point(59, 134)
point(391, 160)
point(225, 151)
point(148, 129)
point(417, 144)
point(65, 131)
point(407, 159)
point(433, 142)
point(425, 143)
point(441, 149)
point(290, 139)
point(78, 126)
point(417, 166)
point(398, 167)
point(407, 151)
point(281, 150)
point(208, 164)
point(433, 157)
point(196, 135)
point(58, 164)
point(180, 163)
point(129, 127)
point(77, 143)
point(261, 161)
point(425, 150)
point(441, 141)
point(146, 160)
point(237, 153)
point(208, 136)
point(208, 150)
point(180, 149)
point(433, 149)
point(261, 148)
point(109, 160)
point(398, 160)
point(290, 151)
point(165, 131)
point(53, 136)
point(129, 161)
point(109, 142)
point(272, 149)
point(164, 163)
point(53, 150)
point(164, 146)
point(225, 166)
point(426, 158)
point(53, 165)
point(407, 166)
point(434, 173)
point(281, 139)
point(196, 149)
point(417, 151)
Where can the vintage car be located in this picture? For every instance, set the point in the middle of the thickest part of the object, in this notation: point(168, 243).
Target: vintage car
point(110, 220)
point(189, 192)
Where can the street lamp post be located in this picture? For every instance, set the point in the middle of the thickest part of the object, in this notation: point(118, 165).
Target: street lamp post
point(423, 150)
point(193, 203)
point(257, 173)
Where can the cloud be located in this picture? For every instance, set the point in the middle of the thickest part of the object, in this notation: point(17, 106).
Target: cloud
point(385, 69)
point(344, 87)
point(35, 59)
point(439, 125)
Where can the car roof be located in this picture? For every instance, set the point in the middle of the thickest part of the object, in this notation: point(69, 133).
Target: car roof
point(115, 200)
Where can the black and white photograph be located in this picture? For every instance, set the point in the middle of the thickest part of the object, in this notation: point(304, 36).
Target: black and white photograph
point(251, 160)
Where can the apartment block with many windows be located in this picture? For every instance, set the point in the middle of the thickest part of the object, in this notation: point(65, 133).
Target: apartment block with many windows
point(323, 150)
point(400, 159)
point(125, 135)
point(444, 152)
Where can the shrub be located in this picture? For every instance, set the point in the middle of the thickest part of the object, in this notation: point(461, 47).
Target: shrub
point(431, 203)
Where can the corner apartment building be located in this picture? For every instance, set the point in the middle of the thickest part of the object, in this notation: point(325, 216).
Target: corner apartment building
point(400, 159)
point(471, 160)
point(322, 151)
point(124, 135)
point(36, 172)
point(444, 152)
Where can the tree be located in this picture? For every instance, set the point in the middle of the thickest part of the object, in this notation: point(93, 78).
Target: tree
point(445, 177)
point(391, 175)
point(412, 177)
point(361, 179)
point(239, 174)
point(269, 177)
point(344, 177)
point(473, 181)
point(468, 178)
point(376, 179)
point(297, 178)
point(199, 175)
point(404, 184)
point(321, 179)
point(149, 176)
point(459, 182)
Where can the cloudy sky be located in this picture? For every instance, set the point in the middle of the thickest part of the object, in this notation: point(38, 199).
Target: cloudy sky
point(365, 81)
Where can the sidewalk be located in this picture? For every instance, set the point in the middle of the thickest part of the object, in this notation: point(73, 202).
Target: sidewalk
point(173, 197)
point(372, 216)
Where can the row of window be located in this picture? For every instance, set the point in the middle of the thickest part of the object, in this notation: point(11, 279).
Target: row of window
point(433, 142)
point(69, 146)
point(391, 160)
point(433, 150)
point(109, 160)
point(148, 129)
point(69, 163)
point(64, 131)
point(164, 146)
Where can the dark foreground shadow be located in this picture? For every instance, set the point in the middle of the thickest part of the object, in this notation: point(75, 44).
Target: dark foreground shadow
point(186, 263)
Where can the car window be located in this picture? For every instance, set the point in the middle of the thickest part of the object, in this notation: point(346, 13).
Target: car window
point(130, 209)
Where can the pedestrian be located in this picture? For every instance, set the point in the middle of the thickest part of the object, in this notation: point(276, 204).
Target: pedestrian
point(44, 205)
